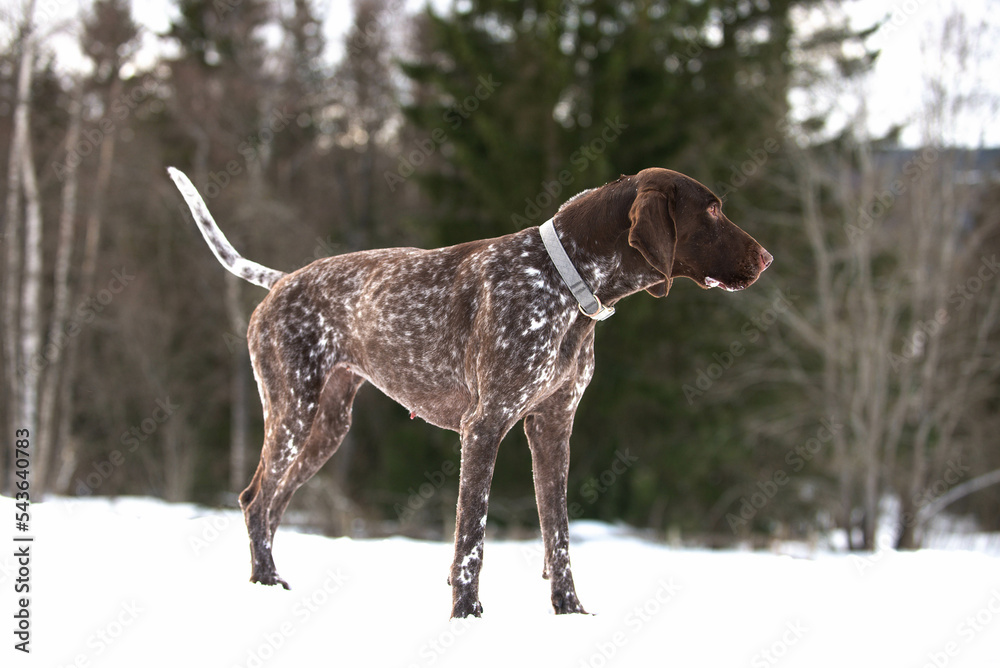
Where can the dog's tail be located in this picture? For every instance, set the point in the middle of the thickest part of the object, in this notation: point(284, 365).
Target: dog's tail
point(246, 269)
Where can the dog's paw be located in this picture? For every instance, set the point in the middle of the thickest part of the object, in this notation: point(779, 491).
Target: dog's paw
point(270, 579)
point(463, 608)
point(461, 611)
point(568, 604)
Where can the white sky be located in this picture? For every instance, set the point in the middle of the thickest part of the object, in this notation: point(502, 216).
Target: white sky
point(910, 51)
point(893, 94)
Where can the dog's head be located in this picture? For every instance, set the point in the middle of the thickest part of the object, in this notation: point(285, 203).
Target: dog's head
point(678, 226)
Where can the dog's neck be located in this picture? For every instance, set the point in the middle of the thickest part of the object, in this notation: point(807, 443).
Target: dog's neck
point(593, 228)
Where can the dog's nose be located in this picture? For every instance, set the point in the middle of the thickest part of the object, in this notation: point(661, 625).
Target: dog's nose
point(765, 259)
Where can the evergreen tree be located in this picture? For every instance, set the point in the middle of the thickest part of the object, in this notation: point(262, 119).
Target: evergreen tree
point(535, 100)
point(528, 102)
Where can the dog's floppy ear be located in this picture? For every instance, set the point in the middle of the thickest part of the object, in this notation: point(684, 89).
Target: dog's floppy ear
point(654, 234)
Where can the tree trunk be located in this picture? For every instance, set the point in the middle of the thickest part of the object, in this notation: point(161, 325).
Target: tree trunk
point(907, 537)
point(178, 459)
point(11, 293)
point(12, 236)
point(31, 307)
point(24, 261)
point(65, 449)
point(58, 338)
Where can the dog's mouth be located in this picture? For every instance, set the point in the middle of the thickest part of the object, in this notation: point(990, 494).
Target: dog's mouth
point(709, 282)
point(715, 283)
point(750, 274)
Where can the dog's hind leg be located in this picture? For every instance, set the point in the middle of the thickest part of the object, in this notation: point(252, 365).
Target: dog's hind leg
point(302, 430)
point(256, 501)
point(329, 427)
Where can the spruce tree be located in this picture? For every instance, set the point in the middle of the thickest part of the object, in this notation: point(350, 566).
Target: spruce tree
point(525, 103)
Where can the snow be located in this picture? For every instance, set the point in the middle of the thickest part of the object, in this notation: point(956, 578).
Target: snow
point(137, 582)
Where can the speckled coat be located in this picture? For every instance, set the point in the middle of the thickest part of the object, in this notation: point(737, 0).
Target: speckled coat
point(472, 338)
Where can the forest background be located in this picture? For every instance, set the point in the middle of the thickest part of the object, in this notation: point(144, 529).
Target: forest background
point(852, 390)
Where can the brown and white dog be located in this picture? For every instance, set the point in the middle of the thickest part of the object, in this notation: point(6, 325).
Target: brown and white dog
point(472, 338)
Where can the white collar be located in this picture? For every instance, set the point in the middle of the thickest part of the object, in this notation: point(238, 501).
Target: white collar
point(590, 305)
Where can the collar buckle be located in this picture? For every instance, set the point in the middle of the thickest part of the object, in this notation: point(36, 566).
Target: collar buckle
point(602, 313)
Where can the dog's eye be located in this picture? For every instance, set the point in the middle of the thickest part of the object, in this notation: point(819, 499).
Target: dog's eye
point(714, 211)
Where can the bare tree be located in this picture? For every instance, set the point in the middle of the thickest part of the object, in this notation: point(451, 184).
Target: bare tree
point(364, 82)
point(947, 355)
point(13, 254)
point(52, 377)
point(24, 254)
point(109, 38)
point(904, 345)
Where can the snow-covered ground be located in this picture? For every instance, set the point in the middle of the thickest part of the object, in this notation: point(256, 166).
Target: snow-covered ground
point(136, 582)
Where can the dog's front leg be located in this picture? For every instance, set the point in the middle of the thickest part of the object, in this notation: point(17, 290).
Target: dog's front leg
point(479, 451)
point(548, 429)
point(548, 437)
